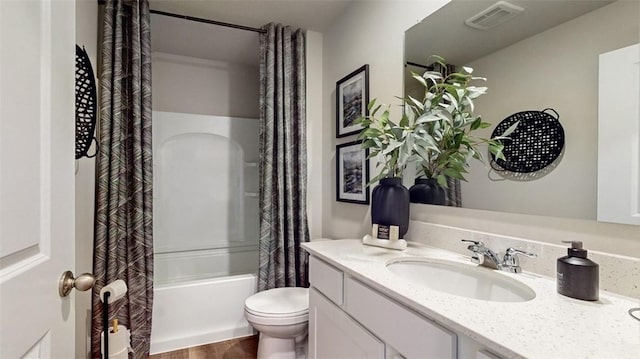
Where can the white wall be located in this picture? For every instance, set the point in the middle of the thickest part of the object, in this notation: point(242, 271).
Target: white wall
point(559, 69)
point(620, 239)
point(87, 36)
point(200, 86)
point(206, 87)
point(315, 116)
point(368, 32)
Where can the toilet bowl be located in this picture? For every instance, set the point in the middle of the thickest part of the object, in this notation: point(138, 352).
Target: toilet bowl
point(281, 316)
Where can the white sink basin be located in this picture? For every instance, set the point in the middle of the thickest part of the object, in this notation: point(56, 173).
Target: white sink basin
point(462, 280)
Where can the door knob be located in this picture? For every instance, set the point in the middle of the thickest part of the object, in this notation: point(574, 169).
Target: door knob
point(67, 282)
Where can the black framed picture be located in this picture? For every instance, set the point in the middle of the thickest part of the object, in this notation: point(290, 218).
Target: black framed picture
point(352, 97)
point(352, 173)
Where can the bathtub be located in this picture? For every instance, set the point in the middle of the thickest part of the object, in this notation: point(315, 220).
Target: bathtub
point(205, 228)
point(200, 312)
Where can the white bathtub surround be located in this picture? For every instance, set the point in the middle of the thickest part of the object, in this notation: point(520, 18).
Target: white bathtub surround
point(548, 326)
point(200, 312)
point(618, 274)
point(205, 228)
point(205, 175)
point(180, 267)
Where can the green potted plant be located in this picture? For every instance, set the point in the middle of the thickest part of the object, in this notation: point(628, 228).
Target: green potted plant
point(445, 141)
point(436, 131)
point(391, 143)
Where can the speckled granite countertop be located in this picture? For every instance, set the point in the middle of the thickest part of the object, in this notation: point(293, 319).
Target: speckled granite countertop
point(549, 326)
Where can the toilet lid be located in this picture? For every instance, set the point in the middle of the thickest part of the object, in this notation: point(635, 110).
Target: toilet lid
point(278, 302)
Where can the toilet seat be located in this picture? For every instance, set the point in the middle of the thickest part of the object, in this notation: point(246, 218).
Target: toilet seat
point(266, 320)
point(278, 306)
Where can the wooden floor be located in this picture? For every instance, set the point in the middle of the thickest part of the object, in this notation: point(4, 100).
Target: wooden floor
point(241, 348)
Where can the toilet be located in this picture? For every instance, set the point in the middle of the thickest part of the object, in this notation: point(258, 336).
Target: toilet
point(281, 316)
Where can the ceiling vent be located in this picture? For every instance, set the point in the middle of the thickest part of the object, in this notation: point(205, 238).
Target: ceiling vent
point(494, 15)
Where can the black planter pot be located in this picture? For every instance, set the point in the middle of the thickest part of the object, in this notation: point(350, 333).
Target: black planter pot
point(390, 204)
point(427, 191)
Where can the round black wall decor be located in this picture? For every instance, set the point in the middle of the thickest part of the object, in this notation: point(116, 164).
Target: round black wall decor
point(535, 144)
point(85, 104)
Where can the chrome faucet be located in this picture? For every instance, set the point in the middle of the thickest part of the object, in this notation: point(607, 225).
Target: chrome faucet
point(483, 255)
point(511, 262)
point(488, 258)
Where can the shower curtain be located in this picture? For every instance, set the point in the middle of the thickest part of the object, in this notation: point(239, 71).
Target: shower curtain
point(123, 223)
point(283, 159)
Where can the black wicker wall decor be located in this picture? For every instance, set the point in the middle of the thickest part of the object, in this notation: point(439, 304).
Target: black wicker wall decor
point(535, 144)
point(85, 105)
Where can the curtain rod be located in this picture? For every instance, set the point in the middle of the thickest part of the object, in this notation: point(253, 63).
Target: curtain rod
point(418, 65)
point(207, 21)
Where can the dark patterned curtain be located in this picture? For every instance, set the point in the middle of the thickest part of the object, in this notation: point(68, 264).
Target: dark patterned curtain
point(283, 159)
point(452, 192)
point(123, 222)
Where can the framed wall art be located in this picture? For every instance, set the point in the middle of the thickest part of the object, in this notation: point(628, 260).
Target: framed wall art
point(352, 97)
point(352, 173)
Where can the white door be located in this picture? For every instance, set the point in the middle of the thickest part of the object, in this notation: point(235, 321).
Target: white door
point(37, 69)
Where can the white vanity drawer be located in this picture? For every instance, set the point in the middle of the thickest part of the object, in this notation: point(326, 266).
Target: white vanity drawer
point(410, 334)
point(333, 334)
point(327, 279)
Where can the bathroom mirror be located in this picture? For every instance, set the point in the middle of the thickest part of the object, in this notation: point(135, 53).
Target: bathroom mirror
point(544, 57)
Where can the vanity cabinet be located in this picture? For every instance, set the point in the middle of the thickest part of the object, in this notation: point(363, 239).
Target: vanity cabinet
point(409, 333)
point(333, 334)
point(349, 319)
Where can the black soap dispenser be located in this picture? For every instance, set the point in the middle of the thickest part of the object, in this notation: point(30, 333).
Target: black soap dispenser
point(578, 277)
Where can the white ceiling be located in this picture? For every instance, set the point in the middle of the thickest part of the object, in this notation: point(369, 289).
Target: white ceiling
point(444, 32)
point(205, 41)
point(189, 38)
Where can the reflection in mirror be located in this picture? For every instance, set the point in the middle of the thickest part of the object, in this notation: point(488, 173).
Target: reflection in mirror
point(544, 57)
